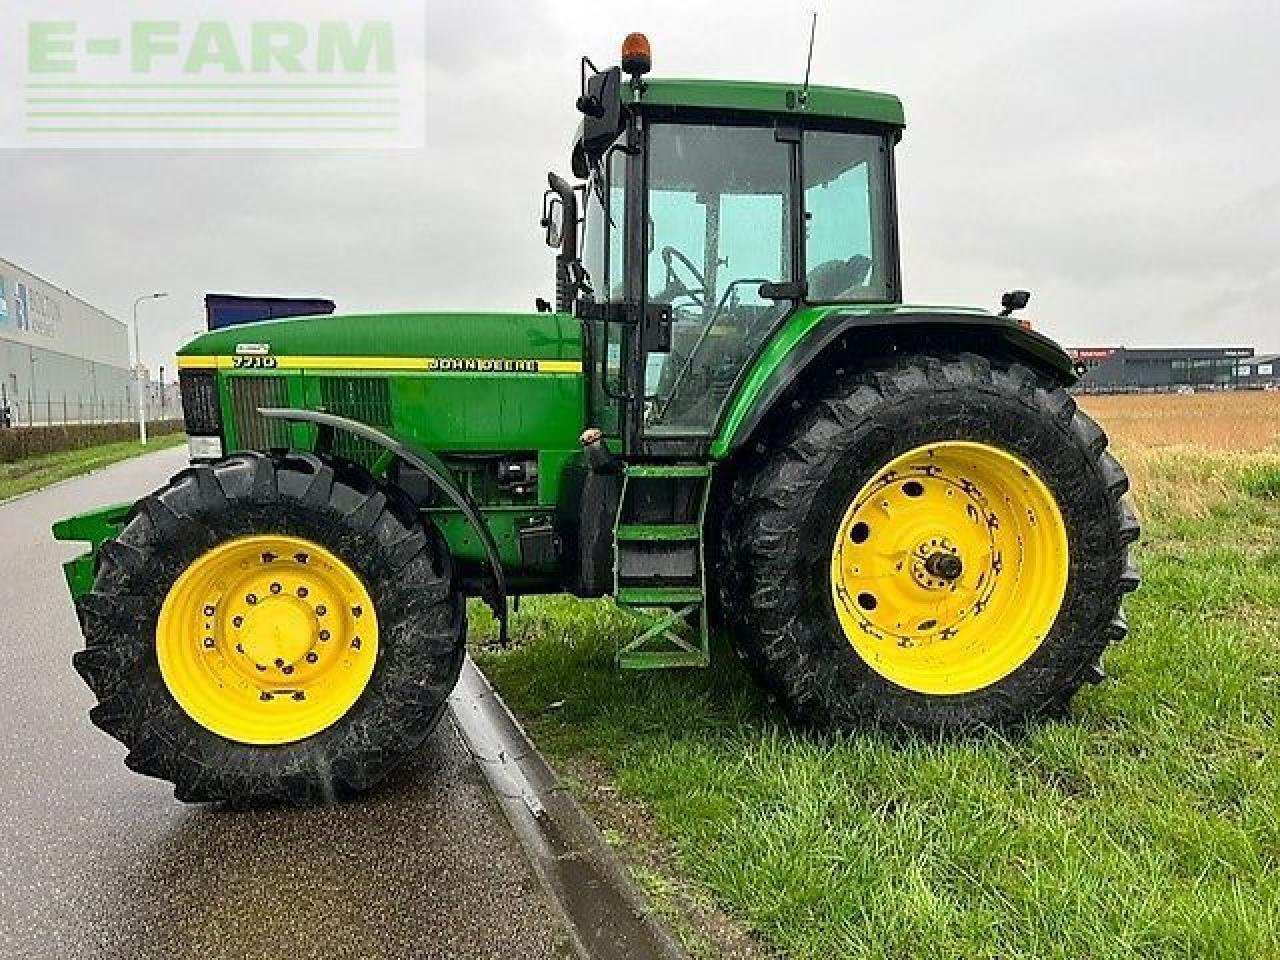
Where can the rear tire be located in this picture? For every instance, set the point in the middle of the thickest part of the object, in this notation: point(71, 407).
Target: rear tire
point(779, 586)
point(373, 530)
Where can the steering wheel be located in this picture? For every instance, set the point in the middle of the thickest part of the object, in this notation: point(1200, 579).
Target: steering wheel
point(676, 286)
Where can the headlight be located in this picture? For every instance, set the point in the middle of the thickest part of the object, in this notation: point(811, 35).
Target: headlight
point(200, 408)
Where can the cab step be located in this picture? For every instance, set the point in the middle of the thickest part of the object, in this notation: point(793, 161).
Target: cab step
point(659, 564)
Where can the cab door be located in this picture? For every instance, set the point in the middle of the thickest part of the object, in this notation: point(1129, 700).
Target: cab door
point(719, 208)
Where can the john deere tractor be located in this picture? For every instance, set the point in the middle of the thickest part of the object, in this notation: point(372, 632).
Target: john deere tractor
point(728, 420)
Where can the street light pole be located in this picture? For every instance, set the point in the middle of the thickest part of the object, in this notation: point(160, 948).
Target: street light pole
point(137, 371)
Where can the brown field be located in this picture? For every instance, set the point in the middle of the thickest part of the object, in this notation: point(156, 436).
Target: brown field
point(1187, 454)
point(1246, 421)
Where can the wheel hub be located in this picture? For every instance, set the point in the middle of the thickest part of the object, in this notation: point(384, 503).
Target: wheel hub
point(267, 639)
point(944, 566)
point(278, 632)
point(949, 567)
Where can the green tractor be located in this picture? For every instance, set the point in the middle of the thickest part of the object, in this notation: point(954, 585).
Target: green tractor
point(727, 420)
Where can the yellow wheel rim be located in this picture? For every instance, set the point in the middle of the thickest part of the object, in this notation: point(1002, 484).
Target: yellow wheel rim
point(267, 639)
point(949, 567)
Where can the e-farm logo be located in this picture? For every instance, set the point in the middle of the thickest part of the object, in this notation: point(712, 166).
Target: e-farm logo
point(222, 74)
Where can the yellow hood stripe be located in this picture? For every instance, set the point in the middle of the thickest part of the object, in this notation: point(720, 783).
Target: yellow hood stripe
point(452, 365)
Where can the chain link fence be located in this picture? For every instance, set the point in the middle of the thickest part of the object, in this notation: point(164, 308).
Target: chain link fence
point(62, 409)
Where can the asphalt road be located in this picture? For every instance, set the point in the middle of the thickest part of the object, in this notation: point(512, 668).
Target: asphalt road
point(98, 862)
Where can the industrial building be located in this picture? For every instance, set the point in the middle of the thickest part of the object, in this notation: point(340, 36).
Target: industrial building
point(1109, 369)
point(1261, 372)
point(61, 360)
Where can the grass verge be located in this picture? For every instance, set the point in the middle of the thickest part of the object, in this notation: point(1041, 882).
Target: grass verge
point(1147, 825)
point(33, 473)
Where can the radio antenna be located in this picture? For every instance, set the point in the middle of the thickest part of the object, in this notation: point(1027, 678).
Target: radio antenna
point(808, 64)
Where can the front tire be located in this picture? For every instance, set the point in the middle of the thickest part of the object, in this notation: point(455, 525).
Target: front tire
point(939, 545)
point(271, 628)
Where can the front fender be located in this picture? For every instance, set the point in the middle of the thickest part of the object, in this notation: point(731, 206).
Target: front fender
point(435, 469)
point(95, 528)
point(812, 333)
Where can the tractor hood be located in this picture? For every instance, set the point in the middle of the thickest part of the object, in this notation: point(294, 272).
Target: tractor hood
point(430, 340)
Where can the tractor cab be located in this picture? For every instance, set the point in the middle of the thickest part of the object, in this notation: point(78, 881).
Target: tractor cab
point(713, 211)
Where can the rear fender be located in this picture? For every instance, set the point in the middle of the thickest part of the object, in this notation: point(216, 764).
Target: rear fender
point(838, 339)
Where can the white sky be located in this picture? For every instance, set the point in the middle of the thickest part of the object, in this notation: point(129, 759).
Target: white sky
point(1120, 159)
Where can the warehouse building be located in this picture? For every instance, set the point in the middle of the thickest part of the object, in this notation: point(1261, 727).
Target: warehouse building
point(61, 360)
point(1162, 368)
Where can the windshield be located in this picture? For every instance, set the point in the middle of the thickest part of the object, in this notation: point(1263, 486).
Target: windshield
point(602, 259)
point(602, 243)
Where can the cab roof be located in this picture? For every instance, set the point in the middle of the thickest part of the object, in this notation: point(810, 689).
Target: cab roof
point(837, 103)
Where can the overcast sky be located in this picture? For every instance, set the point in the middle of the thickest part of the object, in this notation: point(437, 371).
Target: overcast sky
point(1119, 159)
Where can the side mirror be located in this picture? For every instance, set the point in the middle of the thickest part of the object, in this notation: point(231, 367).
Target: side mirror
point(1014, 300)
point(601, 107)
point(553, 220)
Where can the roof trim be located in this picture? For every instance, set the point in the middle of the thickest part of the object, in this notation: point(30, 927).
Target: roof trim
point(839, 103)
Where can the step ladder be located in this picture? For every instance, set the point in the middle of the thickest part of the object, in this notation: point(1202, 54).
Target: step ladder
point(659, 569)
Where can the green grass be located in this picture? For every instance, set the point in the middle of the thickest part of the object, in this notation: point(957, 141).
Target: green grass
point(1262, 480)
point(1148, 825)
point(36, 472)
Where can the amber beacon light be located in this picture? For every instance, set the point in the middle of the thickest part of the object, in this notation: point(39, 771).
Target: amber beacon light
point(636, 59)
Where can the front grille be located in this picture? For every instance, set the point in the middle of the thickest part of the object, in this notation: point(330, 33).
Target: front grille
point(201, 411)
point(254, 431)
point(366, 399)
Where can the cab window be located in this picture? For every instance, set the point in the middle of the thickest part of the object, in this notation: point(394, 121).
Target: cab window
point(846, 253)
point(719, 226)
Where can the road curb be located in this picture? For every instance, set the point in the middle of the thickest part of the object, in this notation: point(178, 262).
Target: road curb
point(605, 913)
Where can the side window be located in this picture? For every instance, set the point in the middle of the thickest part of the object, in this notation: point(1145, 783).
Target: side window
point(843, 199)
point(840, 216)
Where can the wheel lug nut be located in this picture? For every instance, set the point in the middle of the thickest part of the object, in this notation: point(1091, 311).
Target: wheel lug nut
point(303, 591)
point(275, 588)
point(279, 661)
point(251, 599)
point(321, 610)
point(324, 634)
point(237, 621)
point(312, 657)
point(286, 670)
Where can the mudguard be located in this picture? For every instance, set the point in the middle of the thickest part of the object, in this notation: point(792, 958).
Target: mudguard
point(435, 469)
point(787, 358)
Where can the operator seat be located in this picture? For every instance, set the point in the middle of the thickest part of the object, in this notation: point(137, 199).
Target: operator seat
point(835, 279)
